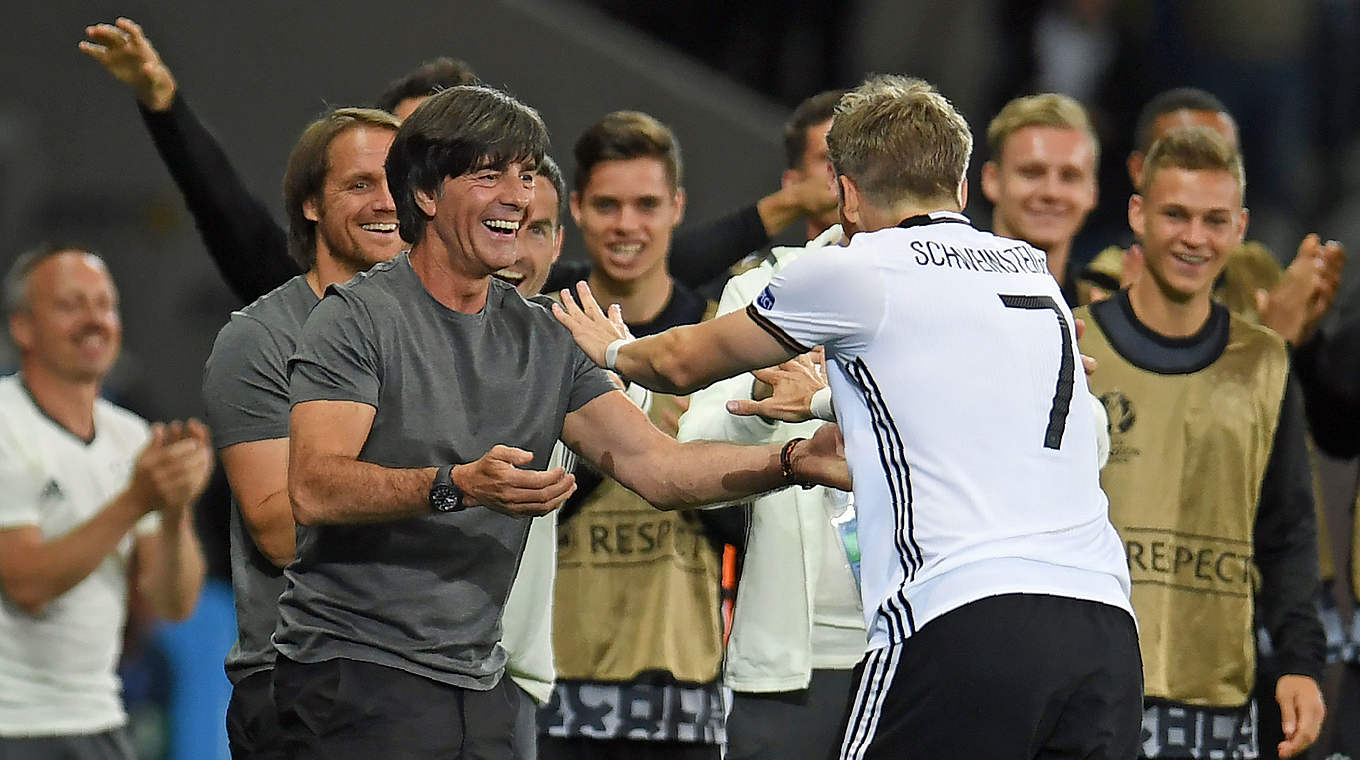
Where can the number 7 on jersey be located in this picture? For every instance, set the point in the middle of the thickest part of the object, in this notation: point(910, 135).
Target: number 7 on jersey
point(1062, 396)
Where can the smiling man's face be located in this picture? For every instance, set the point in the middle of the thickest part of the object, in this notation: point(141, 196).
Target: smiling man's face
point(69, 323)
point(477, 215)
point(356, 220)
point(1043, 185)
point(627, 212)
point(1189, 221)
point(540, 241)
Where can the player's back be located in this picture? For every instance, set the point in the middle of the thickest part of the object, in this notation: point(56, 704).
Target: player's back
point(960, 392)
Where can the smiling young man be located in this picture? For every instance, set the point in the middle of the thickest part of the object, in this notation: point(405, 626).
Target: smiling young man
point(1208, 477)
point(426, 397)
point(662, 567)
point(341, 222)
point(1042, 177)
point(628, 201)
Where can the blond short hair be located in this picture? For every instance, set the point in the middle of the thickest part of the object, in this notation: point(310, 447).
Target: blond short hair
point(1193, 149)
point(1047, 109)
point(899, 140)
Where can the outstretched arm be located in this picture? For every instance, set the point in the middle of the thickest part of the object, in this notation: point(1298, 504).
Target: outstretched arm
point(618, 439)
point(678, 361)
point(248, 246)
point(328, 484)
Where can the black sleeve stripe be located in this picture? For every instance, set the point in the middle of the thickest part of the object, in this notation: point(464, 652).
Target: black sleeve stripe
point(774, 330)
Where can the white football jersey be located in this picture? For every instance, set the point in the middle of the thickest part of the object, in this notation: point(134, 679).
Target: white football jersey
point(57, 667)
point(954, 368)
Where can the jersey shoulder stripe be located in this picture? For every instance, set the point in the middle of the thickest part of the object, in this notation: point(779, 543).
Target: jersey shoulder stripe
point(775, 331)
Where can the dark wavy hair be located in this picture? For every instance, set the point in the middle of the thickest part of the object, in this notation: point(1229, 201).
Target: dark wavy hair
point(549, 168)
point(624, 135)
point(426, 79)
point(456, 131)
point(1179, 99)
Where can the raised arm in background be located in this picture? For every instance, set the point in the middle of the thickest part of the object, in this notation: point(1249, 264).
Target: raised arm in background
point(246, 243)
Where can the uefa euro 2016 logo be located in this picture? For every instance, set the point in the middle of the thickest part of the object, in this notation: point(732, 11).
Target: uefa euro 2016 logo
point(1120, 411)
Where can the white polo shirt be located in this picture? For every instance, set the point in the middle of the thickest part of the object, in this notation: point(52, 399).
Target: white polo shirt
point(57, 668)
point(954, 365)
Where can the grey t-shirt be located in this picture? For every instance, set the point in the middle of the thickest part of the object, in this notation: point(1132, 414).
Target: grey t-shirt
point(425, 594)
point(245, 389)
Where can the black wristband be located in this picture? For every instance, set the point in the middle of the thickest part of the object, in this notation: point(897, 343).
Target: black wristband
point(786, 462)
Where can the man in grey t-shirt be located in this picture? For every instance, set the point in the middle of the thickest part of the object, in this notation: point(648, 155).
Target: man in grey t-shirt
point(343, 221)
point(426, 396)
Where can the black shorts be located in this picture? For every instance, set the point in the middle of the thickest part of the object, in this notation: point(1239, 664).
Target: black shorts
point(341, 709)
point(1015, 676)
point(784, 725)
point(106, 745)
point(252, 720)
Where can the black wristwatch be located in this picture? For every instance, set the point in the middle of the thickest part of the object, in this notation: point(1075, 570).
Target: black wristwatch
point(445, 495)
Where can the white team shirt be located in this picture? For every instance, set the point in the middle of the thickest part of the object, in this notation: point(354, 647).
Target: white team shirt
point(954, 367)
point(57, 668)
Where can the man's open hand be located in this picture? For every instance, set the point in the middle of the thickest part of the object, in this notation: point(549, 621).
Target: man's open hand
point(173, 469)
point(123, 49)
point(1295, 306)
point(498, 482)
point(592, 329)
point(784, 392)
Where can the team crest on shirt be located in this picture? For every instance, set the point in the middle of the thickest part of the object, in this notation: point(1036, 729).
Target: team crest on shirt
point(1119, 410)
point(766, 299)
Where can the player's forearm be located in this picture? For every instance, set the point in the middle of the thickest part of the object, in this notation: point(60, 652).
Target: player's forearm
point(663, 362)
point(175, 574)
point(691, 475)
point(33, 578)
point(337, 490)
point(272, 528)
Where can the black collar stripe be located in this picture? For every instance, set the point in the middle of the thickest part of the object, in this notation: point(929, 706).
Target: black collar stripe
point(935, 217)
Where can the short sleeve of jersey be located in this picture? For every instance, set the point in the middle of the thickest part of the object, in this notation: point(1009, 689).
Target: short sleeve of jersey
point(245, 384)
point(829, 297)
point(337, 357)
point(21, 483)
point(587, 380)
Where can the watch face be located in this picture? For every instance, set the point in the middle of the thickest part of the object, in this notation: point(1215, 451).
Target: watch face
point(445, 498)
